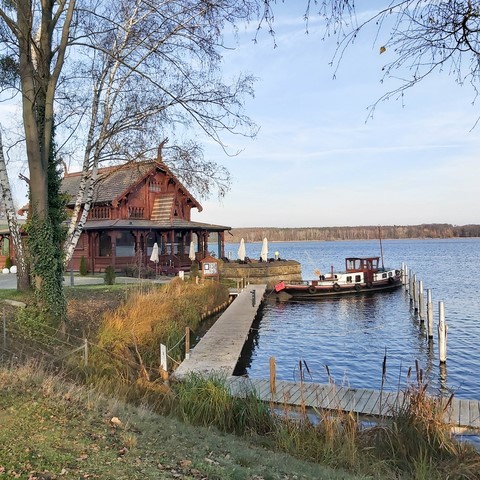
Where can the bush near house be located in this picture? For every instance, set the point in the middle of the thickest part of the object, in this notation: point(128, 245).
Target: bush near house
point(83, 266)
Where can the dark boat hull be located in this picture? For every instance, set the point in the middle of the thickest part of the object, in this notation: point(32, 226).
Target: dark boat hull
point(310, 292)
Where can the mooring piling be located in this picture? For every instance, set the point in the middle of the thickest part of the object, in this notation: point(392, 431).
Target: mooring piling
point(421, 301)
point(442, 333)
point(429, 314)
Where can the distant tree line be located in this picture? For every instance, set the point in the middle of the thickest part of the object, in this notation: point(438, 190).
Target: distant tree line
point(433, 230)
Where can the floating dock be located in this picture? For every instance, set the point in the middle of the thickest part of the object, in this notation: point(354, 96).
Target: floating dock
point(460, 413)
point(220, 348)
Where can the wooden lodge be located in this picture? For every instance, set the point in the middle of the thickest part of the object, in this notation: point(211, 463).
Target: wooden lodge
point(136, 205)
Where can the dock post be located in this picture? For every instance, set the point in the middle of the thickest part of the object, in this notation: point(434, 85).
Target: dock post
point(273, 377)
point(421, 301)
point(404, 275)
point(430, 313)
point(410, 285)
point(442, 333)
point(415, 293)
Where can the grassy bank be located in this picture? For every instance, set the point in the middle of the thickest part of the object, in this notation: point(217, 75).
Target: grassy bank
point(50, 429)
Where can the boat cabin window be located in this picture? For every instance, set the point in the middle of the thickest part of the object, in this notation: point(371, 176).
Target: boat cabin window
point(373, 264)
point(354, 263)
point(361, 264)
point(349, 279)
point(384, 275)
point(358, 278)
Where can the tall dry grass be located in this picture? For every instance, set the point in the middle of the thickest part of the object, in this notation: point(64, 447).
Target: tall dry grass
point(128, 341)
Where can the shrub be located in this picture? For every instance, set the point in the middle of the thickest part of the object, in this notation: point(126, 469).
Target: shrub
point(206, 401)
point(109, 277)
point(83, 266)
point(8, 262)
point(130, 271)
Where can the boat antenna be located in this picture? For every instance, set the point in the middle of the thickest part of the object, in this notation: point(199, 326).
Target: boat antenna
point(381, 248)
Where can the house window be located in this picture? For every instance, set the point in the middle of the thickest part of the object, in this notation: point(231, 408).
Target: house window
point(151, 239)
point(125, 245)
point(5, 246)
point(154, 187)
point(105, 245)
point(80, 245)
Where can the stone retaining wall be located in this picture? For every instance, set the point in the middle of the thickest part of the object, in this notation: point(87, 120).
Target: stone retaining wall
point(262, 272)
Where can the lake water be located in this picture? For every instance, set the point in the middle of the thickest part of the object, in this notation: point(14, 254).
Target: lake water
point(350, 335)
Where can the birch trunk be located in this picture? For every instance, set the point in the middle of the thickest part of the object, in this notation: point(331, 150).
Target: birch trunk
point(106, 86)
point(23, 279)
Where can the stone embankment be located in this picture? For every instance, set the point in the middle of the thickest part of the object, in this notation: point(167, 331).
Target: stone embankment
point(255, 272)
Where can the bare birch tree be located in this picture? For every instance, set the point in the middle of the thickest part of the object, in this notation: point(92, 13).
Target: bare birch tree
point(14, 228)
point(155, 69)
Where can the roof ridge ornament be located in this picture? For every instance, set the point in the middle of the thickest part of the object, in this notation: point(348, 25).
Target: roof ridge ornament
point(160, 148)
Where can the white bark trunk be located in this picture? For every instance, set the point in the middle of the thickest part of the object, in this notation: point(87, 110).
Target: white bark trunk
point(83, 201)
point(21, 261)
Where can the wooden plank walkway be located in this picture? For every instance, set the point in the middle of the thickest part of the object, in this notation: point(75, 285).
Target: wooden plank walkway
point(462, 413)
point(220, 348)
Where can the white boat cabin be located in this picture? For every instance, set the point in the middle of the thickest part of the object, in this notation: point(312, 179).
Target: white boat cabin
point(358, 270)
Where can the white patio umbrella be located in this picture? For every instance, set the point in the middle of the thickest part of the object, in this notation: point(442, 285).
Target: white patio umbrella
point(264, 252)
point(154, 256)
point(241, 250)
point(191, 253)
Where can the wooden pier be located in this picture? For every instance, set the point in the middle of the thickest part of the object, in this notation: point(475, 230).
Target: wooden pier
point(220, 348)
point(461, 414)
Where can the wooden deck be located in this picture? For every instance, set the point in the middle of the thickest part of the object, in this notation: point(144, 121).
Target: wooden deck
point(220, 348)
point(462, 413)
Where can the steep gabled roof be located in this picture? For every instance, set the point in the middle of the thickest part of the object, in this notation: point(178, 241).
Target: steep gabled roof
point(113, 183)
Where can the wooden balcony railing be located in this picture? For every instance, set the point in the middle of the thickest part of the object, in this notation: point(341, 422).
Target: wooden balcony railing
point(100, 213)
point(136, 212)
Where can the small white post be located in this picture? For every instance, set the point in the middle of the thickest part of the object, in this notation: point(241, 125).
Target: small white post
point(163, 357)
point(421, 301)
point(4, 330)
point(85, 352)
point(430, 313)
point(181, 274)
point(187, 342)
point(442, 333)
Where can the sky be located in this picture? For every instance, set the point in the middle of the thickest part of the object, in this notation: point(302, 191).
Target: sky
point(317, 161)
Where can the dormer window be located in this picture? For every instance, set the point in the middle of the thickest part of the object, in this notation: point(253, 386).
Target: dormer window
point(155, 187)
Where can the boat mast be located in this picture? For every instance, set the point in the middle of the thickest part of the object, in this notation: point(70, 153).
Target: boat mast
point(381, 248)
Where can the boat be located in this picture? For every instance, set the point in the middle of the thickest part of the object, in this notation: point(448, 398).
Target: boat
point(362, 275)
